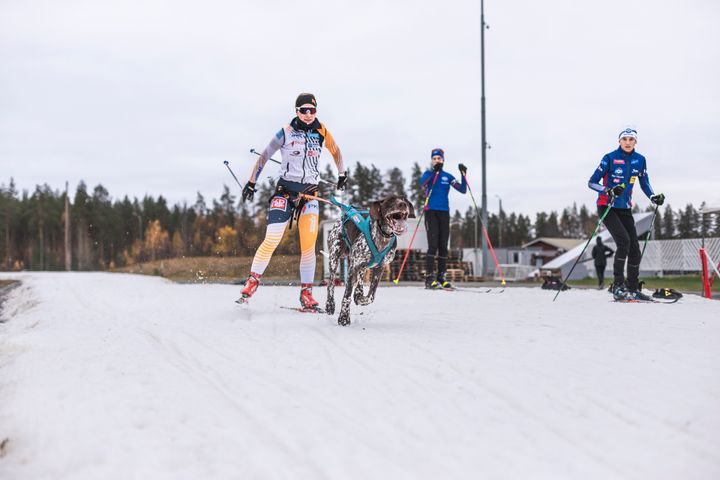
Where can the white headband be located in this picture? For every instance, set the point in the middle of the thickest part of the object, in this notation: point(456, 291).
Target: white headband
point(628, 132)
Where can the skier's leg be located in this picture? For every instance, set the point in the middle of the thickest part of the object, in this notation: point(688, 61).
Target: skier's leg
point(278, 216)
point(443, 236)
point(433, 238)
point(622, 240)
point(308, 228)
point(633, 267)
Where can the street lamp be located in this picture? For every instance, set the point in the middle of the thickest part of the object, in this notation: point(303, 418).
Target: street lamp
point(500, 219)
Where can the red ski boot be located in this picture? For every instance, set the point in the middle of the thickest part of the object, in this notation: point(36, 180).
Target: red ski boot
point(250, 286)
point(309, 304)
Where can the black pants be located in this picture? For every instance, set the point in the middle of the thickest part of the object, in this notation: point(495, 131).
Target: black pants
point(437, 225)
point(600, 269)
point(621, 225)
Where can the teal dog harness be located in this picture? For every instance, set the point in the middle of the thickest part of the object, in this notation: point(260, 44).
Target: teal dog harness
point(361, 219)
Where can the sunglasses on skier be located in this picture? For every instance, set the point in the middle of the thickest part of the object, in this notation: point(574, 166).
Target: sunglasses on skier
point(306, 110)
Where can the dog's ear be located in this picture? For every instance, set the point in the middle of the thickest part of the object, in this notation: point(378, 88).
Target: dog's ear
point(411, 209)
point(375, 209)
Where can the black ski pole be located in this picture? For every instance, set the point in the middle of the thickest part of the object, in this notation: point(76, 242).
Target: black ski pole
point(320, 179)
point(652, 223)
point(227, 164)
point(611, 199)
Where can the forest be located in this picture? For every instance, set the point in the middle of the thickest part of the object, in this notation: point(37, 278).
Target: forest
point(108, 232)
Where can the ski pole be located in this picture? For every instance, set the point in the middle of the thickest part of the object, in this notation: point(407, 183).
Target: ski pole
point(321, 180)
point(427, 199)
point(487, 237)
point(652, 222)
point(227, 164)
point(611, 199)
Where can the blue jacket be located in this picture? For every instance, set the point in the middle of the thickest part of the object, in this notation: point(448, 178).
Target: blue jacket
point(441, 190)
point(619, 167)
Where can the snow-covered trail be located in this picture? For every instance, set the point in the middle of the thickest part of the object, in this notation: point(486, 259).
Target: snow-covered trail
point(128, 377)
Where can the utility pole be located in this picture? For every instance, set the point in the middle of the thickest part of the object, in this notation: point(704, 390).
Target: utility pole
point(482, 138)
point(68, 250)
point(500, 222)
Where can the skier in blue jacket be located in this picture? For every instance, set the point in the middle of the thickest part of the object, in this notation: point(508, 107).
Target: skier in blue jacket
point(437, 182)
point(619, 171)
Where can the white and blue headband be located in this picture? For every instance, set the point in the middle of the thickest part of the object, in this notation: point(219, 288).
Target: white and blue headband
point(628, 132)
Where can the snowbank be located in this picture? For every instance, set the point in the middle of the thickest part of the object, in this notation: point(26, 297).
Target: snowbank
point(118, 376)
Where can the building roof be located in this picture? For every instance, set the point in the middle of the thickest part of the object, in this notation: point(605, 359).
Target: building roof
point(559, 243)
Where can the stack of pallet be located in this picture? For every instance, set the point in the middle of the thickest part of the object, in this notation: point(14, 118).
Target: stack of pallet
point(414, 270)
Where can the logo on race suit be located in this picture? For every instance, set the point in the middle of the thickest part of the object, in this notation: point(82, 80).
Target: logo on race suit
point(444, 179)
point(311, 207)
point(616, 180)
point(635, 170)
point(619, 161)
point(634, 162)
point(618, 171)
point(278, 203)
point(296, 152)
point(313, 153)
point(632, 180)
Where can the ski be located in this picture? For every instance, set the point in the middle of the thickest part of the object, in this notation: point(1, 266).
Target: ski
point(484, 290)
point(652, 300)
point(305, 310)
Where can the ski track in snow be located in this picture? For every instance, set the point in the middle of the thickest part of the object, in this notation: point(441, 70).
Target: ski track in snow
point(121, 376)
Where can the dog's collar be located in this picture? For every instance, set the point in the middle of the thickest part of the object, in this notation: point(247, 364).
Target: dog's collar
point(382, 232)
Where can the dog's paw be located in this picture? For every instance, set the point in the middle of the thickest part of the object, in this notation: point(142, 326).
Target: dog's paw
point(363, 301)
point(344, 319)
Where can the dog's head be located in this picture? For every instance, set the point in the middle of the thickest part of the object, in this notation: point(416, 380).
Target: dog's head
point(392, 213)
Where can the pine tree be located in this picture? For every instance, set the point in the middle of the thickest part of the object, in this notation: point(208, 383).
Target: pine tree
point(687, 222)
point(552, 229)
point(417, 191)
point(395, 184)
point(541, 224)
point(668, 229)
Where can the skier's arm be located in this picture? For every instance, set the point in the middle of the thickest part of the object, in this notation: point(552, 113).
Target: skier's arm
point(272, 147)
point(645, 182)
point(459, 186)
point(609, 251)
point(334, 151)
point(598, 174)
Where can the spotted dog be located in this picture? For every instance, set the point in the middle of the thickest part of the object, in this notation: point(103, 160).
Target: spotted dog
point(388, 219)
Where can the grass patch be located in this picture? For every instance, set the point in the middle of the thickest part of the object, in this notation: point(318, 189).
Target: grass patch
point(682, 283)
point(221, 269)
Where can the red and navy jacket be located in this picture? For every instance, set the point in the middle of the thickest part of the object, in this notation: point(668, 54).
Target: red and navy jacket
point(620, 167)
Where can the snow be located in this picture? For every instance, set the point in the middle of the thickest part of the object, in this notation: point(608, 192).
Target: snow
point(114, 376)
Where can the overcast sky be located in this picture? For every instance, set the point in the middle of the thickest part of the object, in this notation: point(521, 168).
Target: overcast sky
point(149, 97)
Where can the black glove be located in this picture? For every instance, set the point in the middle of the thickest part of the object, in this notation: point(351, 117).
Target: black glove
point(249, 191)
point(438, 166)
point(658, 199)
point(463, 169)
point(616, 190)
point(342, 180)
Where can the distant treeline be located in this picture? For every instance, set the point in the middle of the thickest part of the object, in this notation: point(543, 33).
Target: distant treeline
point(106, 232)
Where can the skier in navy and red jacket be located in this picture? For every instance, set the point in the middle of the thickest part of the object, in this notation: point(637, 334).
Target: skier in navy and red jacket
point(619, 170)
point(437, 216)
